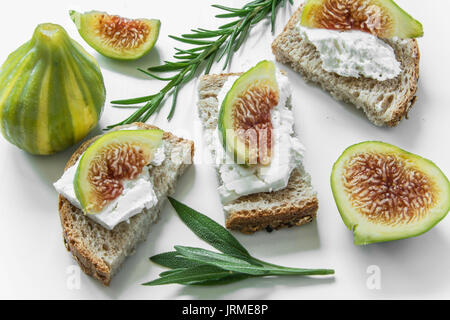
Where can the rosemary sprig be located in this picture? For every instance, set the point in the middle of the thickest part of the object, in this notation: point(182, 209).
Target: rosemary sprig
point(196, 266)
point(208, 47)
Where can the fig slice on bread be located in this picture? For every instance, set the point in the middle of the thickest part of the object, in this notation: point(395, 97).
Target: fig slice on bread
point(244, 117)
point(115, 156)
point(382, 18)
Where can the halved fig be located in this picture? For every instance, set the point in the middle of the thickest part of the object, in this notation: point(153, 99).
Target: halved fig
point(384, 193)
point(382, 18)
point(245, 124)
point(114, 157)
point(117, 37)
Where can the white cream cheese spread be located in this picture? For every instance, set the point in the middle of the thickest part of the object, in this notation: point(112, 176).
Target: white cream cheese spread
point(137, 195)
point(353, 53)
point(287, 152)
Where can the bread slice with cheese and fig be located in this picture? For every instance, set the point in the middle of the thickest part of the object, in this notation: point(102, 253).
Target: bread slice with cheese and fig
point(101, 252)
point(294, 205)
point(385, 103)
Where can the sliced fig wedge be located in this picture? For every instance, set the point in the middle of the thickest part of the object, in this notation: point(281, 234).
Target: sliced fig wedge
point(108, 161)
point(384, 193)
point(244, 118)
point(382, 18)
point(117, 37)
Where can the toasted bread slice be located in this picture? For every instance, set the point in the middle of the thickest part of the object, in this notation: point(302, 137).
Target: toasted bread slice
point(385, 103)
point(101, 252)
point(293, 206)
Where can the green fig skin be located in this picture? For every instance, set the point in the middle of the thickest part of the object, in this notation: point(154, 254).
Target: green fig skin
point(51, 92)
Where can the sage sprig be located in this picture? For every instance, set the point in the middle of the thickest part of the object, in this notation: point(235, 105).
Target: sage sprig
point(197, 266)
point(207, 48)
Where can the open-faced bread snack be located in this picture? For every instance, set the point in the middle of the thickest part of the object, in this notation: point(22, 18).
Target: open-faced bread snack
point(372, 66)
point(273, 190)
point(112, 191)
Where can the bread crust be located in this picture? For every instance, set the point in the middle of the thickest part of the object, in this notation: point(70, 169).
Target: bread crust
point(250, 221)
point(394, 114)
point(88, 261)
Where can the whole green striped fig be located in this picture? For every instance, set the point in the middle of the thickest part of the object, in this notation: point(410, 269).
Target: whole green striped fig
point(51, 92)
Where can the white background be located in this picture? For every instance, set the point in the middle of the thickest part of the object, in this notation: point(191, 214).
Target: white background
point(35, 264)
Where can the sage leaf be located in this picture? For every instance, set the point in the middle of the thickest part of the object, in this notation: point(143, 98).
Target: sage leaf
point(223, 281)
point(221, 260)
point(197, 266)
point(173, 260)
point(166, 273)
point(234, 264)
point(209, 230)
point(195, 274)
